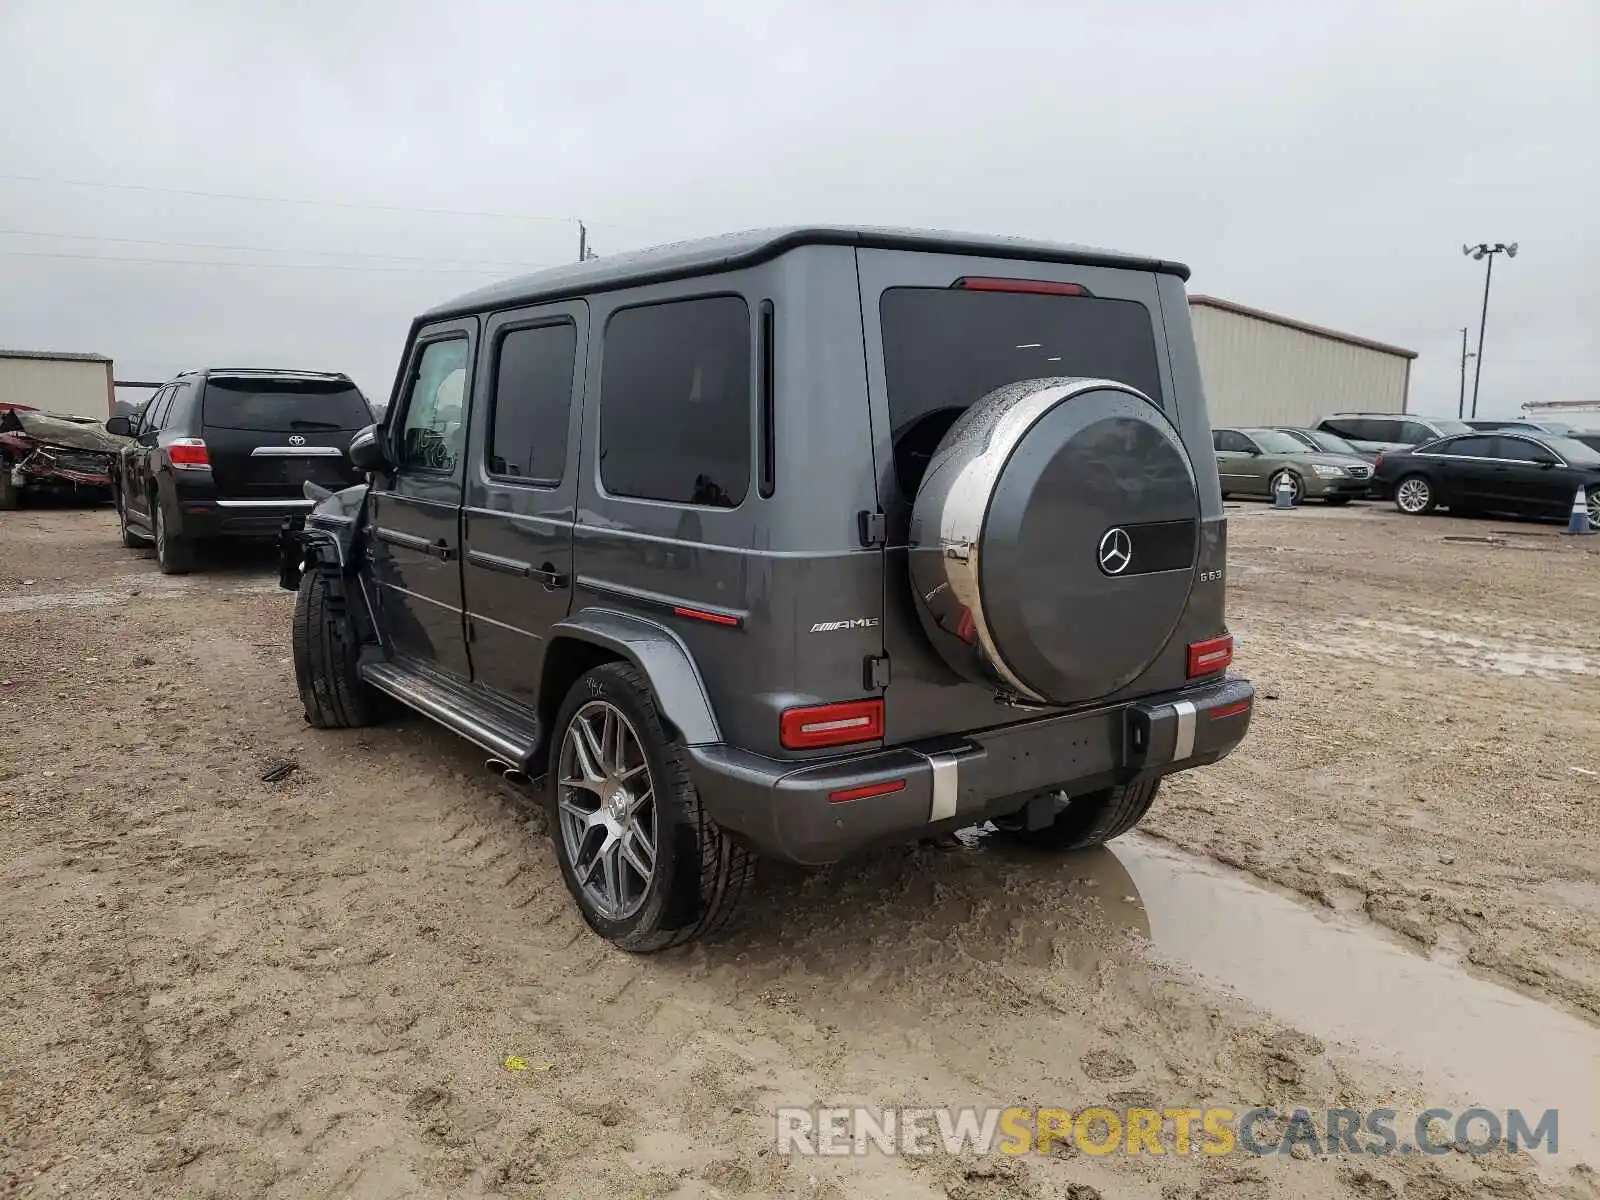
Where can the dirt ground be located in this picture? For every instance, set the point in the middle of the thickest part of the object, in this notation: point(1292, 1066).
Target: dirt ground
point(216, 985)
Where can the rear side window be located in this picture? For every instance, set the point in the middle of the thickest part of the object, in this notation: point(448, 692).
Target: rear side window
point(533, 402)
point(1516, 449)
point(1416, 434)
point(946, 348)
point(675, 402)
point(1467, 447)
point(156, 413)
point(284, 405)
point(1233, 442)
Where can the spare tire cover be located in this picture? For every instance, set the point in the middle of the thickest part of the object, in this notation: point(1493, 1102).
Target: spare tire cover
point(1053, 539)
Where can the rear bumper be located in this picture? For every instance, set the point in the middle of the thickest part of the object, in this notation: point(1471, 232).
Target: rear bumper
point(801, 812)
point(236, 518)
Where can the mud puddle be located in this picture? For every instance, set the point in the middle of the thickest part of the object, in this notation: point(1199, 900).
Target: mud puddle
point(1467, 1040)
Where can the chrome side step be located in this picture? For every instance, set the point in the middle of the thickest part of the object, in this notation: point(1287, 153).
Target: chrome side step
point(507, 733)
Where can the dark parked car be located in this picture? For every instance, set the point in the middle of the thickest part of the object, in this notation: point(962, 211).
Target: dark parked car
point(1255, 462)
point(1591, 440)
point(227, 453)
point(1523, 474)
point(793, 543)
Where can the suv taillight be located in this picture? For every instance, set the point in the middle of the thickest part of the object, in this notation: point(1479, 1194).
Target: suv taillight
point(189, 454)
point(1211, 655)
point(1377, 462)
point(831, 724)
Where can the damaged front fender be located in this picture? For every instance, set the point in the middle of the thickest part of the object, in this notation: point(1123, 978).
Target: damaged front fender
point(328, 537)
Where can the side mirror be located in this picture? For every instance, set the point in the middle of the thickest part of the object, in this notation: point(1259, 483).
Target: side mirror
point(1544, 460)
point(120, 426)
point(366, 450)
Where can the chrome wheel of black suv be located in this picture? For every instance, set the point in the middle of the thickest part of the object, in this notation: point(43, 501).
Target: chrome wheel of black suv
point(646, 865)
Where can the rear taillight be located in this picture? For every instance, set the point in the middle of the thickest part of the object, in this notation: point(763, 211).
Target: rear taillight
point(831, 724)
point(189, 454)
point(1211, 655)
point(1037, 287)
point(1377, 462)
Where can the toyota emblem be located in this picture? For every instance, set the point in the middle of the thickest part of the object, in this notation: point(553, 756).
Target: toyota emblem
point(296, 440)
point(1116, 551)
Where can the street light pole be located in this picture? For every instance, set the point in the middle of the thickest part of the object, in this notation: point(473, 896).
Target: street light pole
point(1484, 250)
point(1461, 404)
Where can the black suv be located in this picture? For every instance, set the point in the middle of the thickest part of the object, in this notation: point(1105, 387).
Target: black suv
point(791, 542)
point(227, 453)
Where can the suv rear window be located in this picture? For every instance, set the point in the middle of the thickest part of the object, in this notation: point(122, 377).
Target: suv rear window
point(945, 348)
point(284, 405)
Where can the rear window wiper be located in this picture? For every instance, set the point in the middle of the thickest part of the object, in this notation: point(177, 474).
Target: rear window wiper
point(298, 424)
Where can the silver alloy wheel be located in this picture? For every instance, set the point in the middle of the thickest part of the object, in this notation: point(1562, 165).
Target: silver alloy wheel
point(1593, 496)
point(1413, 496)
point(605, 802)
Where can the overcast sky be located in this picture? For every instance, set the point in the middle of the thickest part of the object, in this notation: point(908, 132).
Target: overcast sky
point(1321, 160)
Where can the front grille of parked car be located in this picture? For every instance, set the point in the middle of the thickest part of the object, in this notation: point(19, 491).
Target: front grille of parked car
point(1360, 472)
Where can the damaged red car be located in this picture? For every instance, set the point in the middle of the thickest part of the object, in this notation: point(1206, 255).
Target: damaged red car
point(46, 453)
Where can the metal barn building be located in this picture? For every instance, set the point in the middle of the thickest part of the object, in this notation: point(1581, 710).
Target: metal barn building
point(1263, 369)
point(75, 385)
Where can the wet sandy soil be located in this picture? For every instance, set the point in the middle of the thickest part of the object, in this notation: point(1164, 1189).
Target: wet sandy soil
point(214, 985)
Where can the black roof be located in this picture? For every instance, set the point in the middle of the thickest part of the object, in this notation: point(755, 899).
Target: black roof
point(705, 256)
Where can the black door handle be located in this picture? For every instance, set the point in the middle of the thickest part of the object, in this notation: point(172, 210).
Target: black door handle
point(553, 581)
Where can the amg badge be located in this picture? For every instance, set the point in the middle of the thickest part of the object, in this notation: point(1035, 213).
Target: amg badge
point(854, 623)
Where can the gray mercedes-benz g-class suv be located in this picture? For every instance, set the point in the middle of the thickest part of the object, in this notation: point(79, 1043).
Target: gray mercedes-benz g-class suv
point(789, 543)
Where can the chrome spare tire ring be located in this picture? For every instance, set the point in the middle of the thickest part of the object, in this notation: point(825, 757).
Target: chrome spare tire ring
point(606, 808)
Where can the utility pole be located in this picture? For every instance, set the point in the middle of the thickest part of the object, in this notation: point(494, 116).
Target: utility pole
point(583, 242)
point(1461, 405)
point(1484, 250)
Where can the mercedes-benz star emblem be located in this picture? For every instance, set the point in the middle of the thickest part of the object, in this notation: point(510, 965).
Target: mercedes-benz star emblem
point(296, 440)
point(1116, 551)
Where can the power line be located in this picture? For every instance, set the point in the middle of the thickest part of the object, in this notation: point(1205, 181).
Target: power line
point(202, 262)
point(138, 187)
point(86, 237)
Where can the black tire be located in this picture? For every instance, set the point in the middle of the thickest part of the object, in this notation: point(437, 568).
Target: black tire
point(175, 555)
point(1335, 501)
point(326, 652)
point(1092, 819)
point(10, 493)
point(1414, 495)
point(699, 873)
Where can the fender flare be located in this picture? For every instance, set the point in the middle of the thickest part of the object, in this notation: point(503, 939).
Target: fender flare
point(658, 652)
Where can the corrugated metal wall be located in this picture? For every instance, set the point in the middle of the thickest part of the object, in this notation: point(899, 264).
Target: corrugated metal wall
point(78, 389)
point(1257, 372)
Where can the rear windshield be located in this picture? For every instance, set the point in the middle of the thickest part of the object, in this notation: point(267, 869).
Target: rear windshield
point(284, 405)
point(944, 349)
